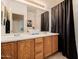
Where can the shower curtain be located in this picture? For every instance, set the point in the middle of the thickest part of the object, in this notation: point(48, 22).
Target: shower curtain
point(70, 50)
point(63, 18)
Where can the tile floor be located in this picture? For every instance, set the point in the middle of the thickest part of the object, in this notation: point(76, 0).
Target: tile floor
point(57, 56)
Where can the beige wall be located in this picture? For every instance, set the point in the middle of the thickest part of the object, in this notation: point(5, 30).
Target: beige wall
point(75, 9)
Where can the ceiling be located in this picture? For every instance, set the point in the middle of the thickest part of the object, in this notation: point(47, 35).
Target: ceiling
point(34, 9)
point(41, 4)
point(47, 3)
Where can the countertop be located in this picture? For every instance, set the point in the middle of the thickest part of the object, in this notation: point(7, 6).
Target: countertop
point(23, 36)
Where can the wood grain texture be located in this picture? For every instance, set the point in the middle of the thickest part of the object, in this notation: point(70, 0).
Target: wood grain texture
point(26, 49)
point(39, 48)
point(32, 48)
point(47, 46)
point(54, 43)
point(9, 50)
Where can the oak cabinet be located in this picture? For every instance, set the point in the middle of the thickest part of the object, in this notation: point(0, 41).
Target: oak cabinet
point(26, 49)
point(32, 49)
point(47, 46)
point(39, 48)
point(54, 43)
point(9, 50)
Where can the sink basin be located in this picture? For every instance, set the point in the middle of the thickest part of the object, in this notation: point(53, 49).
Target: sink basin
point(35, 33)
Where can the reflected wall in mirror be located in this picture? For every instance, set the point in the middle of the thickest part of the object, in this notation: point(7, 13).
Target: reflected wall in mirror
point(34, 15)
point(18, 23)
point(1, 17)
point(5, 15)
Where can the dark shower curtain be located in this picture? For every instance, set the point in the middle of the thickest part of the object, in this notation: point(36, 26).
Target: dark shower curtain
point(63, 18)
point(70, 50)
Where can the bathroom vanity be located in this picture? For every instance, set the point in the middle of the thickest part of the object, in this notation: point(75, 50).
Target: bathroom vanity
point(38, 46)
point(26, 39)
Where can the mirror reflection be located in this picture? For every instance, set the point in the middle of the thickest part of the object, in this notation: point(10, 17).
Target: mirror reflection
point(18, 23)
point(21, 20)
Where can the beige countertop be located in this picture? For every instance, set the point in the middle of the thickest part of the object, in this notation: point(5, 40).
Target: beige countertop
point(23, 36)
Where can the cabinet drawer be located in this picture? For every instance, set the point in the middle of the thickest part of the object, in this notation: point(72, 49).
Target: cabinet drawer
point(39, 56)
point(38, 40)
point(39, 44)
point(39, 48)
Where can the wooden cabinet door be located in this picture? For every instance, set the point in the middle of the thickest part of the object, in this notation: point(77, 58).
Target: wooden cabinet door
point(32, 48)
point(54, 43)
point(39, 48)
point(26, 49)
point(47, 46)
point(9, 50)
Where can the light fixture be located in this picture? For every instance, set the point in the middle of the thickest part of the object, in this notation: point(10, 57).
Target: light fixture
point(32, 3)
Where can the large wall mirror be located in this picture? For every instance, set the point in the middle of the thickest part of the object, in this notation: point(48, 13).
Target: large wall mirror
point(21, 19)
